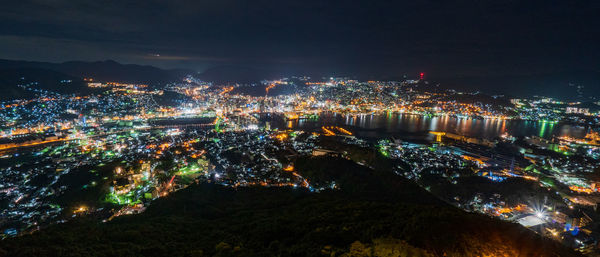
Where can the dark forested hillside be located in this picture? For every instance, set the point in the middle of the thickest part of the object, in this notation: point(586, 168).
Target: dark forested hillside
point(372, 213)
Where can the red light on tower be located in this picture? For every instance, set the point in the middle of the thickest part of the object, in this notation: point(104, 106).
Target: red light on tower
point(422, 75)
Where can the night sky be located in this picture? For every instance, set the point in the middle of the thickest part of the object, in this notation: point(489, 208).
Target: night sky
point(485, 43)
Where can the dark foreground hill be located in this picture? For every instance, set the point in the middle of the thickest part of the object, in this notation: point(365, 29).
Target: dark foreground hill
point(371, 214)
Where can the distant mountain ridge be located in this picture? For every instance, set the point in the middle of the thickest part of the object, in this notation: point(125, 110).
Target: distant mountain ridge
point(68, 77)
point(558, 84)
point(25, 83)
point(239, 74)
point(108, 70)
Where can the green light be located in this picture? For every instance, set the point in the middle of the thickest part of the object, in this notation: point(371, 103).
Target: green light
point(543, 129)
